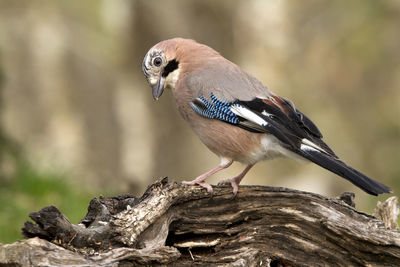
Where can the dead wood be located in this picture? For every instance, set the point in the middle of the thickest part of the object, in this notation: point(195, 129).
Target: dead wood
point(174, 224)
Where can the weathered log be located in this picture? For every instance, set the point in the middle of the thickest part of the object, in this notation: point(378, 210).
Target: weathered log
point(174, 224)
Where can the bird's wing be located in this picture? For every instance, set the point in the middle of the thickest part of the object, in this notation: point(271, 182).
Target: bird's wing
point(274, 115)
point(295, 131)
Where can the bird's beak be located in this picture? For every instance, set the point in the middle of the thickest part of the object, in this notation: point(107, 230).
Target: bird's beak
point(158, 88)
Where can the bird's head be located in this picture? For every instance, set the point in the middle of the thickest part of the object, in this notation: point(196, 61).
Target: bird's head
point(161, 66)
point(165, 62)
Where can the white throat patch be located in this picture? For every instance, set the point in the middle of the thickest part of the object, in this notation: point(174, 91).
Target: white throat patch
point(171, 79)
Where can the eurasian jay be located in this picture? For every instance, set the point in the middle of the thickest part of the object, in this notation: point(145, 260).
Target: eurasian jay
point(236, 116)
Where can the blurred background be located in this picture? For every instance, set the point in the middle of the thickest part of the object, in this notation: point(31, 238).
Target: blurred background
point(77, 119)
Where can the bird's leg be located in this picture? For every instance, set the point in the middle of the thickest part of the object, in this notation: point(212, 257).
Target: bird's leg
point(200, 180)
point(235, 181)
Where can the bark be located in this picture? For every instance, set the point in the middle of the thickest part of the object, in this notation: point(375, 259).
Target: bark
point(174, 224)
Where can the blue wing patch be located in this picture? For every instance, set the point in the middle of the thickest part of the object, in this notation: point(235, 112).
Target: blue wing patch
point(214, 109)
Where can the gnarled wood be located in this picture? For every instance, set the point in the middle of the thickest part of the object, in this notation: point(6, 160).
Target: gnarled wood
point(388, 212)
point(175, 224)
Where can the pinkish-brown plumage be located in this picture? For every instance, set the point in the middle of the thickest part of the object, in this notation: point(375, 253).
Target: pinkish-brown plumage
point(223, 139)
point(235, 115)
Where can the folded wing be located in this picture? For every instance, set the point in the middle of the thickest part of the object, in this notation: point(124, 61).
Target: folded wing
point(295, 131)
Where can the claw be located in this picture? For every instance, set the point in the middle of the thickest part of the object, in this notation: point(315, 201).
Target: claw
point(200, 180)
point(233, 183)
point(202, 184)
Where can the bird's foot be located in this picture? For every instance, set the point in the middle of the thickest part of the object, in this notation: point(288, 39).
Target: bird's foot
point(200, 183)
point(233, 182)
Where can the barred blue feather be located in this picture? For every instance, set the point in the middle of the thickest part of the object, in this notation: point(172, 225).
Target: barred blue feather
point(214, 109)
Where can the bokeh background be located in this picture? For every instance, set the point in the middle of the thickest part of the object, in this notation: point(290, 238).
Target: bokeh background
point(77, 119)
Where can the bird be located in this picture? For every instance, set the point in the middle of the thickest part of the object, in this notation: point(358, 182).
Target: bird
point(236, 116)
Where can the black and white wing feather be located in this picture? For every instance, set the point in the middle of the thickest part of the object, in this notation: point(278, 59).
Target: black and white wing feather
point(295, 131)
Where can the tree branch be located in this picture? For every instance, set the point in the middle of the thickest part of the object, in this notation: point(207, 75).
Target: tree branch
point(176, 224)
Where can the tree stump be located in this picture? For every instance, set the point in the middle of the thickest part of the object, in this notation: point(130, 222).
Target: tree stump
point(176, 225)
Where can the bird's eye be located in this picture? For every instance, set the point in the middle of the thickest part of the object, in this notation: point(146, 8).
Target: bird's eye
point(157, 61)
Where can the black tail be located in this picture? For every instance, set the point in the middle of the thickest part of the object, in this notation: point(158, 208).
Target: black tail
point(340, 168)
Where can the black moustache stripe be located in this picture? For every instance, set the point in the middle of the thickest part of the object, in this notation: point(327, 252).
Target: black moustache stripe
point(171, 66)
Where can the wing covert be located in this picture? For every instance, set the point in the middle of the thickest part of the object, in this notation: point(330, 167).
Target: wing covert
point(274, 115)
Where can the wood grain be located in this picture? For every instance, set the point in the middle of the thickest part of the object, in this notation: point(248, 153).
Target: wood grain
point(174, 224)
